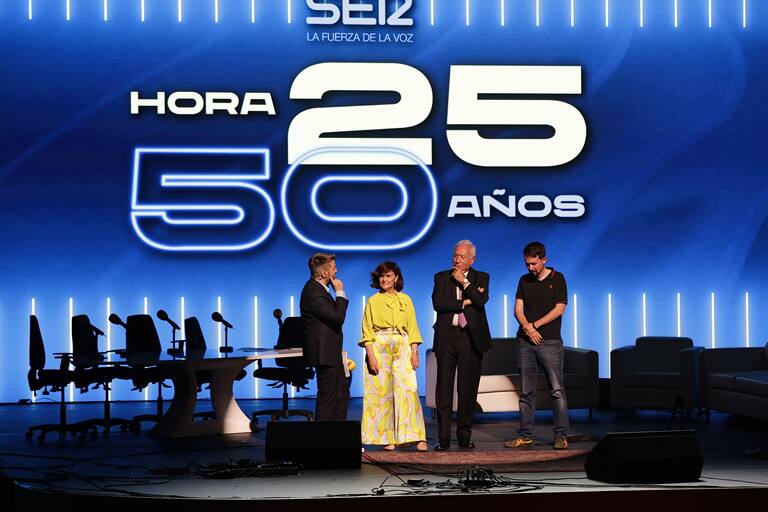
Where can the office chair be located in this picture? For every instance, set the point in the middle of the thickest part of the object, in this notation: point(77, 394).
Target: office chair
point(194, 341)
point(57, 380)
point(293, 371)
point(141, 339)
point(86, 360)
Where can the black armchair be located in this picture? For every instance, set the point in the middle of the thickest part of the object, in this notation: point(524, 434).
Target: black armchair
point(291, 371)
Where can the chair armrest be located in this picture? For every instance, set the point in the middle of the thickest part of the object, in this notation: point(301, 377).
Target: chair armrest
point(690, 361)
point(622, 362)
point(731, 359)
point(580, 360)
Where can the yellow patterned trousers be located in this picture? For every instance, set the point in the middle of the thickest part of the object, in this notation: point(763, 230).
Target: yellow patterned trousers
point(391, 407)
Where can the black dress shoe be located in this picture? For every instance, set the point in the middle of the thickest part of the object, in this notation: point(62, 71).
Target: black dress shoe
point(441, 447)
point(466, 444)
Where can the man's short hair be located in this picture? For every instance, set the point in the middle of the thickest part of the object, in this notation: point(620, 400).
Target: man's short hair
point(472, 248)
point(318, 261)
point(535, 250)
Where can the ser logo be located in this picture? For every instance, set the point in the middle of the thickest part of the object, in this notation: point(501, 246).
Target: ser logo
point(347, 190)
point(365, 13)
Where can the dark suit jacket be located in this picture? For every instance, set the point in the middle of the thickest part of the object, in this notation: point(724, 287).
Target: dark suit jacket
point(446, 304)
point(322, 317)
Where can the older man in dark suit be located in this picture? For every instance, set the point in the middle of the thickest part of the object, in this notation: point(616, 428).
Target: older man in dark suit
point(323, 317)
point(461, 338)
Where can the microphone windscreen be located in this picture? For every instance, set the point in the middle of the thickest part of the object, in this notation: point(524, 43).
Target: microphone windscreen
point(162, 315)
point(216, 316)
point(113, 318)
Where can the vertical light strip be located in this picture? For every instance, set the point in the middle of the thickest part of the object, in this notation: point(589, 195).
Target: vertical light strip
point(575, 321)
point(607, 12)
point(33, 312)
point(182, 316)
point(506, 316)
point(501, 13)
point(642, 14)
point(362, 303)
point(676, 16)
point(143, 11)
point(71, 344)
point(218, 324)
point(106, 10)
point(179, 9)
point(709, 13)
point(538, 13)
point(29, 9)
point(679, 315)
point(108, 325)
point(69, 17)
point(573, 13)
point(743, 13)
point(645, 316)
point(466, 12)
point(215, 11)
point(146, 312)
point(746, 318)
point(610, 322)
point(253, 20)
point(255, 340)
point(288, 2)
point(432, 12)
point(712, 318)
point(293, 313)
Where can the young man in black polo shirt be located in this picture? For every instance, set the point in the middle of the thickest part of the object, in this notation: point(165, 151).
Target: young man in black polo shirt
point(539, 306)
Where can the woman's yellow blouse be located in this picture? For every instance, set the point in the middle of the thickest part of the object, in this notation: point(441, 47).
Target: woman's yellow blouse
point(386, 311)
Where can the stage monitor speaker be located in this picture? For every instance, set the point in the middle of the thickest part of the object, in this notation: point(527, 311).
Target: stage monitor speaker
point(645, 457)
point(315, 444)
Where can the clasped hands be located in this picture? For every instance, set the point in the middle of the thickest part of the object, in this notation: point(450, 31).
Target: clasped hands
point(532, 333)
point(373, 362)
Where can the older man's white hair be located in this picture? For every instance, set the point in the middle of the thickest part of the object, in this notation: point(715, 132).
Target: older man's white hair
point(469, 243)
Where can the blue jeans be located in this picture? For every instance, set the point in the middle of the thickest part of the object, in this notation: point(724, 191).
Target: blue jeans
point(548, 354)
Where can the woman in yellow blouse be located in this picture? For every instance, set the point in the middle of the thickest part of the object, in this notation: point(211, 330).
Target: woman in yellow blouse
point(391, 408)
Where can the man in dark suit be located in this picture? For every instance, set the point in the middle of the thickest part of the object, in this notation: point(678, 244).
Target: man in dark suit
point(323, 317)
point(461, 338)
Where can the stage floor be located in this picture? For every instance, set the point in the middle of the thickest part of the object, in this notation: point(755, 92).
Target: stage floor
point(125, 464)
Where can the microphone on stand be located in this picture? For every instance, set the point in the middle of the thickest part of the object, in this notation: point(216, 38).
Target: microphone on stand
point(162, 315)
point(113, 318)
point(174, 350)
point(216, 316)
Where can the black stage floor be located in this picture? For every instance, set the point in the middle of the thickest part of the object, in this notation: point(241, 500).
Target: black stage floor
point(152, 473)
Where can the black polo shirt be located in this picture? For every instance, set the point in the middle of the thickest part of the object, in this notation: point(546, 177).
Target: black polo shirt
point(539, 297)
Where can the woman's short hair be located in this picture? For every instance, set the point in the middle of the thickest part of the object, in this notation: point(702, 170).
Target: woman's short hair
point(382, 269)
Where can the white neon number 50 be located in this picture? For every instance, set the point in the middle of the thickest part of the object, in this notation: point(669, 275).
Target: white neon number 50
point(466, 108)
point(412, 109)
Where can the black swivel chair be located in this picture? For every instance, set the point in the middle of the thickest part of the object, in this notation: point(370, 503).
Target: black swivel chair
point(141, 339)
point(291, 371)
point(86, 359)
point(57, 380)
